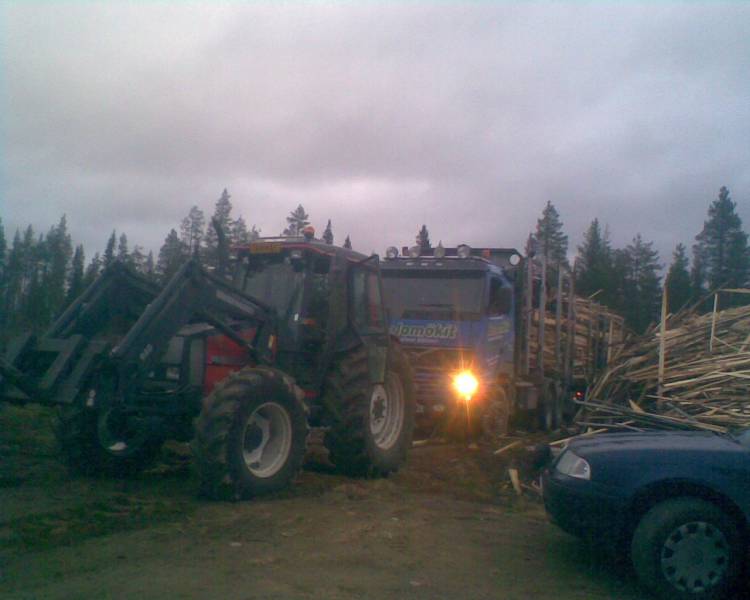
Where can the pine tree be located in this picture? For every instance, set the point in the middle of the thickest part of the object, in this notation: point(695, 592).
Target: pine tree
point(679, 291)
point(222, 214)
point(297, 220)
point(594, 263)
point(192, 229)
point(92, 271)
point(171, 256)
point(552, 243)
point(328, 233)
point(721, 247)
point(348, 243)
point(642, 289)
point(109, 251)
point(75, 281)
point(423, 239)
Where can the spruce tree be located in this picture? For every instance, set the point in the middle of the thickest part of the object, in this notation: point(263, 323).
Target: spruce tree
point(423, 239)
point(679, 290)
point(297, 220)
point(328, 233)
point(109, 251)
point(239, 235)
point(3, 271)
point(137, 259)
point(92, 271)
point(552, 243)
point(721, 247)
point(149, 267)
point(594, 262)
point(57, 251)
point(223, 215)
point(171, 256)
point(76, 279)
point(348, 243)
point(642, 284)
point(122, 250)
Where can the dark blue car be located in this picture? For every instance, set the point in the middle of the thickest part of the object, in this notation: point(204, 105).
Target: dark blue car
point(678, 502)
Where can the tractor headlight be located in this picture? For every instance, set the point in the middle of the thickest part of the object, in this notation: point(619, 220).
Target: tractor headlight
point(572, 465)
point(465, 384)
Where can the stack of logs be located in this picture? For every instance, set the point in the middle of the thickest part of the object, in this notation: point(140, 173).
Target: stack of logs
point(704, 383)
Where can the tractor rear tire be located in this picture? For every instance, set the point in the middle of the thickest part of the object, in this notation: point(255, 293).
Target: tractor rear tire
point(374, 423)
point(251, 436)
point(92, 444)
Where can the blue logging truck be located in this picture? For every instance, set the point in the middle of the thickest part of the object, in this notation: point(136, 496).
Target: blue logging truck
point(469, 321)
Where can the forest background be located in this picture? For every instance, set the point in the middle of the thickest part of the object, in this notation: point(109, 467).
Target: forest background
point(42, 273)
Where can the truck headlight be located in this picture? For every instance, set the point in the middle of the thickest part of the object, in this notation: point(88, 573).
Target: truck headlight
point(465, 384)
point(572, 465)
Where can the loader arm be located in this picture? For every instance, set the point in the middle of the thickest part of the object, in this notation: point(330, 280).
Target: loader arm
point(98, 333)
point(191, 295)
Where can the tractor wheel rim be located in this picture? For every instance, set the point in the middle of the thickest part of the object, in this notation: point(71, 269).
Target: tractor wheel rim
point(267, 439)
point(695, 557)
point(387, 412)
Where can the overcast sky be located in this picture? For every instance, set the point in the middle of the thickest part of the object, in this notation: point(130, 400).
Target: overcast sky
point(466, 117)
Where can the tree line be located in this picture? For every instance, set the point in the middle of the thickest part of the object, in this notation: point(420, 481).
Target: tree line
point(40, 274)
point(628, 280)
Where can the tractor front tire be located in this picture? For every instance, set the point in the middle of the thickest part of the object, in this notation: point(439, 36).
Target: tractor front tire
point(93, 441)
point(373, 423)
point(251, 436)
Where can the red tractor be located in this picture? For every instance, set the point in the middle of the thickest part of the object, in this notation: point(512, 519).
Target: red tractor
point(241, 365)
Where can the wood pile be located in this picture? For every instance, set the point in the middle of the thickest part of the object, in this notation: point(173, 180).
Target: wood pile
point(705, 382)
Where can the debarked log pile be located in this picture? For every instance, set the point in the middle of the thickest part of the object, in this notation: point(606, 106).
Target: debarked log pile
point(705, 381)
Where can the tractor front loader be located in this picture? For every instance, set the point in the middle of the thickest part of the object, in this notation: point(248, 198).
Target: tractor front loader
point(242, 366)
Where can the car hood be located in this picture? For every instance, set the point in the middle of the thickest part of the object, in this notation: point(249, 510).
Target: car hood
point(654, 442)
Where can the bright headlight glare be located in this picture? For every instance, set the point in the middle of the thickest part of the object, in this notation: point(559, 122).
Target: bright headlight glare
point(572, 465)
point(465, 384)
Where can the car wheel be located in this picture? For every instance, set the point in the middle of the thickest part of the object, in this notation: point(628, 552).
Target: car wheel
point(687, 548)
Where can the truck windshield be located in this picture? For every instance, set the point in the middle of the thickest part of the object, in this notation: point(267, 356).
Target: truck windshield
point(275, 282)
point(441, 295)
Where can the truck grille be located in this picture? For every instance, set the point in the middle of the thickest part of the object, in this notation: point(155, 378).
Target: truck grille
point(432, 371)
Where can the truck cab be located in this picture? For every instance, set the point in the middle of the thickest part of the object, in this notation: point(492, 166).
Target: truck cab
point(454, 312)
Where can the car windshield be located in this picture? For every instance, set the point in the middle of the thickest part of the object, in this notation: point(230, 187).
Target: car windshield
point(275, 282)
point(450, 296)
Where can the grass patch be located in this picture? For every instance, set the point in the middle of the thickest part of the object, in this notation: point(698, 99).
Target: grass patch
point(102, 517)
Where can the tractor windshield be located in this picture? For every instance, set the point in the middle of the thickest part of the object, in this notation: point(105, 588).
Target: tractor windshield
point(444, 295)
point(276, 282)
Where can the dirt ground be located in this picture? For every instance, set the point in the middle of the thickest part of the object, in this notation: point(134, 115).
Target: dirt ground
point(445, 526)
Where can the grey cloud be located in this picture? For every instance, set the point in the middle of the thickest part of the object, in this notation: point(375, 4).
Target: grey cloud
point(466, 117)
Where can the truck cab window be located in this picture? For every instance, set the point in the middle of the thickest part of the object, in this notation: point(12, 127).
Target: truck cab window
point(501, 299)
